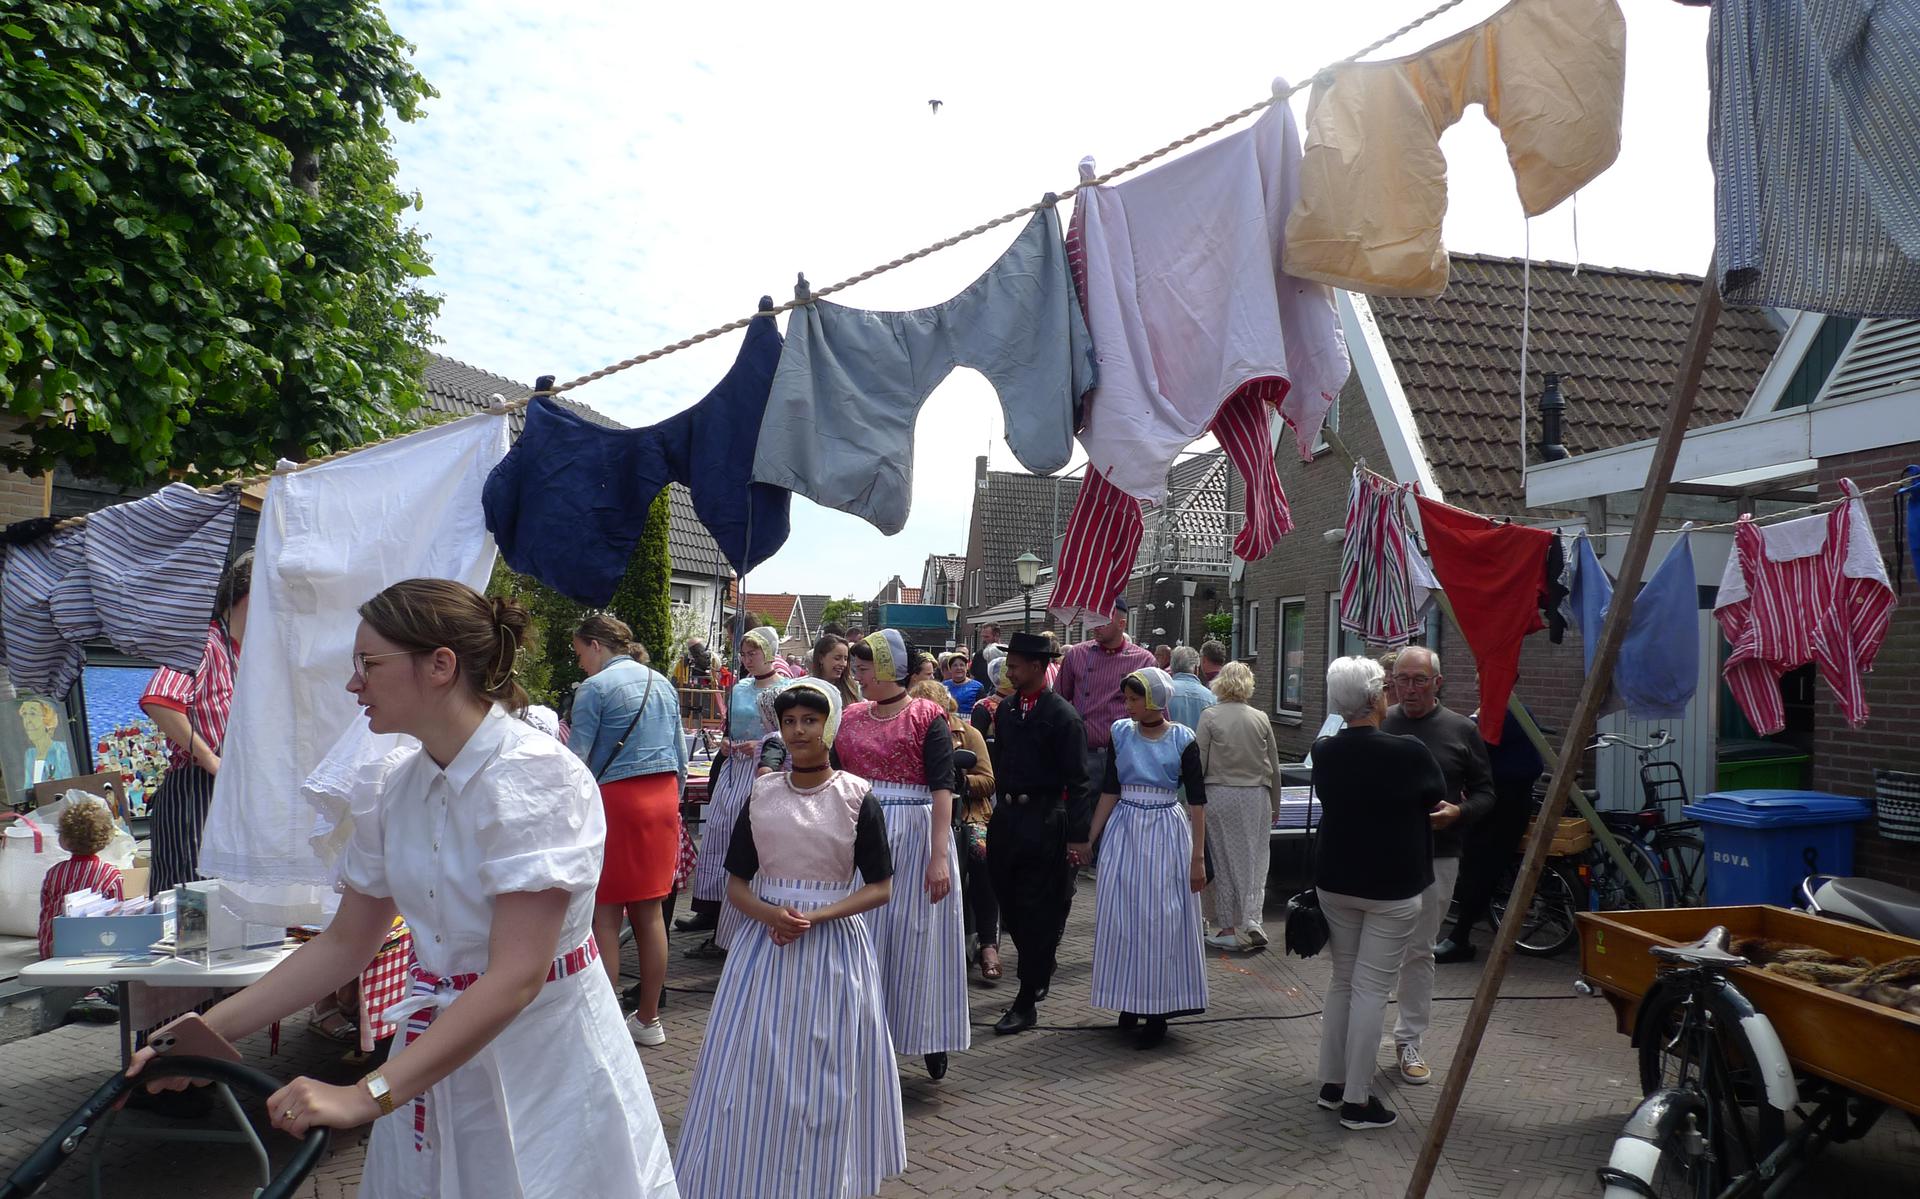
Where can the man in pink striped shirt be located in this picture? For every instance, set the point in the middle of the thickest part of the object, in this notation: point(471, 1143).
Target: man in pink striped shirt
point(1089, 679)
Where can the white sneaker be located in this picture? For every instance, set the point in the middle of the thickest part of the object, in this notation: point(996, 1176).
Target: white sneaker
point(1255, 935)
point(1412, 1068)
point(652, 1032)
point(1225, 941)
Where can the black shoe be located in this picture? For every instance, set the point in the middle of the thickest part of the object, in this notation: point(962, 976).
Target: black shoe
point(697, 923)
point(1330, 1096)
point(1127, 1021)
point(1363, 1116)
point(1451, 950)
point(1152, 1033)
point(708, 948)
point(1018, 1018)
point(936, 1066)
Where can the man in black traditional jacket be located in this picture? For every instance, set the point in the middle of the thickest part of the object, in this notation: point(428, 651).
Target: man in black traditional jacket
point(1037, 838)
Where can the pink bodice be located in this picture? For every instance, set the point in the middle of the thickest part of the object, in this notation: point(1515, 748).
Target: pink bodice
point(890, 750)
point(806, 834)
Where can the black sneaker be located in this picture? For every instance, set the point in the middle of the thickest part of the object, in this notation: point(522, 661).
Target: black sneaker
point(1451, 950)
point(1331, 1096)
point(1371, 1114)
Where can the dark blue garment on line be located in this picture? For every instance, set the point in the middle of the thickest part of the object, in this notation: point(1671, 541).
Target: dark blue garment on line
point(568, 503)
point(1911, 490)
point(1656, 674)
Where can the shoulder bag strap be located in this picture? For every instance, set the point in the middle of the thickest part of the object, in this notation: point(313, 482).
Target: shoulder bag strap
point(631, 725)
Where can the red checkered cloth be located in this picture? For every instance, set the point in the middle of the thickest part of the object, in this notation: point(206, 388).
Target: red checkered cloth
point(382, 984)
point(683, 867)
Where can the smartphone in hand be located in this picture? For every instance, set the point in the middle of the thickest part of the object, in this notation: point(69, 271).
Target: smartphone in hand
point(190, 1036)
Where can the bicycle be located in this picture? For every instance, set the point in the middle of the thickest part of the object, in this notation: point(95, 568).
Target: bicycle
point(1675, 848)
point(1719, 1084)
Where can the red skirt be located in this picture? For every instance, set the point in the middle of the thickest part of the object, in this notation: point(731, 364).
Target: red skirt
point(643, 838)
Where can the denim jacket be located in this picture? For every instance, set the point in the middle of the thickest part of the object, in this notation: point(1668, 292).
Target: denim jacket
point(603, 707)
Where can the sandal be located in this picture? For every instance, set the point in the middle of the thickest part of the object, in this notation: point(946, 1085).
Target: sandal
point(335, 1026)
point(990, 970)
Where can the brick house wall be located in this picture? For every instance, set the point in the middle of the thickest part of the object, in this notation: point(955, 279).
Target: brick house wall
point(1844, 758)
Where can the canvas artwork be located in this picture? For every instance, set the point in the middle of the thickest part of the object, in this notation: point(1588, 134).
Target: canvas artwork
point(36, 744)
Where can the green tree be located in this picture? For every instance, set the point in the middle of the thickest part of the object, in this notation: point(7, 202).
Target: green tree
point(203, 265)
point(644, 597)
point(840, 611)
point(1219, 625)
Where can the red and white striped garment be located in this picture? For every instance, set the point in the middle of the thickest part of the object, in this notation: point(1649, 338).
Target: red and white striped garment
point(206, 696)
point(1090, 678)
point(1103, 537)
point(1379, 599)
point(1807, 590)
point(74, 874)
point(1244, 426)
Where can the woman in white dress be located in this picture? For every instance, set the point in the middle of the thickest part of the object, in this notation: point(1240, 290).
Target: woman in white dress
point(516, 1077)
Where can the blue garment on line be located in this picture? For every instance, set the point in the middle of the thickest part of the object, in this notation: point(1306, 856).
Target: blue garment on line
point(568, 503)
point(1659, 663)
point(851, 383)
point(1911, 489)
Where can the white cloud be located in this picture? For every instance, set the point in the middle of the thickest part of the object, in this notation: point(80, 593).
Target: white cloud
point(604, 178)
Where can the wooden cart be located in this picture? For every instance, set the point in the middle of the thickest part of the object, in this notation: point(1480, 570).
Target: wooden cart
point(1866, 1048)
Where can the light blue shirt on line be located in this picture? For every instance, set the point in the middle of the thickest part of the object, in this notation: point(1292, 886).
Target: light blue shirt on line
point(604, 706)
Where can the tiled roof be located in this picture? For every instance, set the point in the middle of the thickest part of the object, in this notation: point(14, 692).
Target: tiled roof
point(812, 607)
point(777, 608)
point(952, 566)
point(1019, 512)
point(1614, 336)
point(457, 389)
point(909, 595)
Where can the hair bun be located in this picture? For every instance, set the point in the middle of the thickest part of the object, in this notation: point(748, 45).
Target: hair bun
point(510, 618)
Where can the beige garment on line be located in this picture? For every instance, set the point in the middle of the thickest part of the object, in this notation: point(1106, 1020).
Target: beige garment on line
point(1373, 182)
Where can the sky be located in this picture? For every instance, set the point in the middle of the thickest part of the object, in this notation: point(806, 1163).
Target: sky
point(601, 179)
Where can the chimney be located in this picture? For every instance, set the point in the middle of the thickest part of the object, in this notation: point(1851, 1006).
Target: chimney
point(1553, 408)
point(980, 473)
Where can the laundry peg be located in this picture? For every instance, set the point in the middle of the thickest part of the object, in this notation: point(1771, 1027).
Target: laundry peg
point(802, 294)
point(1280, 88)
point(543, 386)
point(766, 303)
point(496, 405)
point(1086, 169)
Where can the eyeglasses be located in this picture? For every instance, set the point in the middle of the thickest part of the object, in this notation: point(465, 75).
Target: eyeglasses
point(1412, 680)
point(360, 660)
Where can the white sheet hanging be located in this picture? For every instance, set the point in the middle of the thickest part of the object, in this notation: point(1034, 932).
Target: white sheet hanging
point(330, 538)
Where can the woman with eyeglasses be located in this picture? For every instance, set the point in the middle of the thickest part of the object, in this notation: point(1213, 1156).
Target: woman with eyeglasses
point(511, 1073)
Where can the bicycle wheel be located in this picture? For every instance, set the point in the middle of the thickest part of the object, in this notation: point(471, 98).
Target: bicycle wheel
point(1548, 927)
point(1685, 855)
point(1610, 890)
point(1662, 1152)
point(1683, 1044)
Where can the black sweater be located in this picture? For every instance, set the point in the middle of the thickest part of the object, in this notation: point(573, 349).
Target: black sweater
point(1454, 741)
point(1376, 791)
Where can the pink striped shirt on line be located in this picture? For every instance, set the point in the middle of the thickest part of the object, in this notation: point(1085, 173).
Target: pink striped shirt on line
point(74, 874)
point(1090, 680)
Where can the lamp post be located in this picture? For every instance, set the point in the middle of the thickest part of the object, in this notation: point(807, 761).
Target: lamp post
point(1027, 570)
point(1187, 588)
point(953, 619)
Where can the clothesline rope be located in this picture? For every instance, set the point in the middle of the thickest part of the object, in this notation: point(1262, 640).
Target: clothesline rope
point(1769, 518)
point(945, 243)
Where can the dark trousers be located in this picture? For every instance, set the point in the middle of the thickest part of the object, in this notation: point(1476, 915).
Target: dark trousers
point(1027, 862)
point(976, 891)
point(1489, 850)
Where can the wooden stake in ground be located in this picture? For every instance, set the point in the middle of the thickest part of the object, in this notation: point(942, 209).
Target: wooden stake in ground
point(1706, 315)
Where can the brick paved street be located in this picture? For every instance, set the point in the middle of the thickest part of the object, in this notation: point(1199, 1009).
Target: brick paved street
point(1224, 1109)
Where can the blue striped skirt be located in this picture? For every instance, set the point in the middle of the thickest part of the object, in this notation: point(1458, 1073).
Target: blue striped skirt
point(1148, 957)
point(921, 947)
point(731, 787)
point(796, 1095)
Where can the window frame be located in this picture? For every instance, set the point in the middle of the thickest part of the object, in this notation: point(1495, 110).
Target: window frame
point(1253, 630)
point(1297, 710)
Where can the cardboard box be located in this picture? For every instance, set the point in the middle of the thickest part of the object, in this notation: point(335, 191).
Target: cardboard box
point(77, 936)
point(133, 880)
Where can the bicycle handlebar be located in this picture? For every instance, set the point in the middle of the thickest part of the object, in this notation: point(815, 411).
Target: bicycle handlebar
point(33, 1172)
point(1661, 739)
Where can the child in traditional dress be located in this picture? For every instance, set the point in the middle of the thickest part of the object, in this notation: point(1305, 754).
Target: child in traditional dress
point(1147, 957)
point(796, 1093)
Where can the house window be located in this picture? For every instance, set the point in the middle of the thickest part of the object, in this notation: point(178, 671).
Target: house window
point(1289, 686)
point(1332, 422)
point(1340, 643)
point(680, 593)
point(1253, 630)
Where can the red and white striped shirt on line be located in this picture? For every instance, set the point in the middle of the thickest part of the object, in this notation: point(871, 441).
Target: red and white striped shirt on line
point(1090, 678)
point(205, 697)
point(74, 874)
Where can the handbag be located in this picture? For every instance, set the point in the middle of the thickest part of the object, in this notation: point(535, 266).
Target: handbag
point(1307, 932)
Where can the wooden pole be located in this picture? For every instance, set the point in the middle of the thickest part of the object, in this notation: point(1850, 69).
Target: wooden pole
point(1706, 314)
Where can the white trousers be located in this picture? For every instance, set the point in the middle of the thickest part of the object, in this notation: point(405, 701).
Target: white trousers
point(1416, 967)
point(1368, 938)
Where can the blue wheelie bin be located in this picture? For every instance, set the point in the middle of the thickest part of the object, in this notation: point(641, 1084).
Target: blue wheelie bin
point(1761, 844)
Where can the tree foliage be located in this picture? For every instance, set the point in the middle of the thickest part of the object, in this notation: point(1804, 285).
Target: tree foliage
point(644, 598)
point(202, 260)
point(842, 612)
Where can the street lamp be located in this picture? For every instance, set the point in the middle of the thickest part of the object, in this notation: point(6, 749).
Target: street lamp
point(953, 619)
point(1187, 588)
point(1027, 570)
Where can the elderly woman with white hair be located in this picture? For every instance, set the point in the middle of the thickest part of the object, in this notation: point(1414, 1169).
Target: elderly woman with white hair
point(1242, 764)
point(1374, 857)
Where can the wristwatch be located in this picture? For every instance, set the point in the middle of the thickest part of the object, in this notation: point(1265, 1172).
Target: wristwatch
point(376, 1085)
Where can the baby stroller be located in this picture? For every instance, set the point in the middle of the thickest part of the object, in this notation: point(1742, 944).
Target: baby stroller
point(33, 1173)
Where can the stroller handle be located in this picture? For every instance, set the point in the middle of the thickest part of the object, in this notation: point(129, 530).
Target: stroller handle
point(33, 1173)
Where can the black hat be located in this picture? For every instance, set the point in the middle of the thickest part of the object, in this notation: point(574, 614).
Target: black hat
point(1032, 645)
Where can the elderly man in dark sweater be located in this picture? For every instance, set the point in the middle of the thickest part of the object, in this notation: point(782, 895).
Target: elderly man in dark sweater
point(1455, 743)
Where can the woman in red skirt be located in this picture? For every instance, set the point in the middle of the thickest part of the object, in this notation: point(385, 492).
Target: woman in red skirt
point(626, 728)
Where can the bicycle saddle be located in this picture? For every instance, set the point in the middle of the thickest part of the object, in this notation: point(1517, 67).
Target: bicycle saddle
point(1710, 950)
point(1876, 904)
